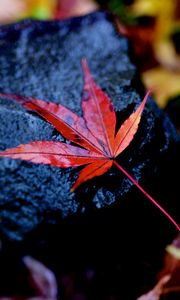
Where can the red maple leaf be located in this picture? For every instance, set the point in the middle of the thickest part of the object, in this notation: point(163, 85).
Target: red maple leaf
point(95, 133)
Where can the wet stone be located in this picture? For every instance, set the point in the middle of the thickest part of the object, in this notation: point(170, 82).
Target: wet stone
point(100, 225)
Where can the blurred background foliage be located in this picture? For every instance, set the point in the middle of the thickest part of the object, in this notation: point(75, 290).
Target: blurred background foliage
point(152, 26)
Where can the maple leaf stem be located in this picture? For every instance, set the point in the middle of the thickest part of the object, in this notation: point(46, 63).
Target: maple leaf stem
point(147, 195)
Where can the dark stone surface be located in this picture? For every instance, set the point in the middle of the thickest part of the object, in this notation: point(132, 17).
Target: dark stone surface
point(173, 110)
point(43, 60)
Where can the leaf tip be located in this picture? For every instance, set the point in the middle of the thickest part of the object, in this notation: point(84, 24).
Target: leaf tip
point(74, 187)
point(84, 61)
point(141, 106)
point(149, 91)
point(19, 99)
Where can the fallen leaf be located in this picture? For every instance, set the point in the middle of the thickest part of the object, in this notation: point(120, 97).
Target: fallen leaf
point(41, 278)
point(156, 292)
point(172, 267)
point(70, 8)
point(142, 40)
point(95, 132)
point(174, 248)
point(10, 10)
point(152, 8)
point(153, 47)
point(169, 276)
point(39, 9)
point(159, 76)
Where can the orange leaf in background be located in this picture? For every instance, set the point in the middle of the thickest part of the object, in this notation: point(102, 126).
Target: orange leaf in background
point(95, 132)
